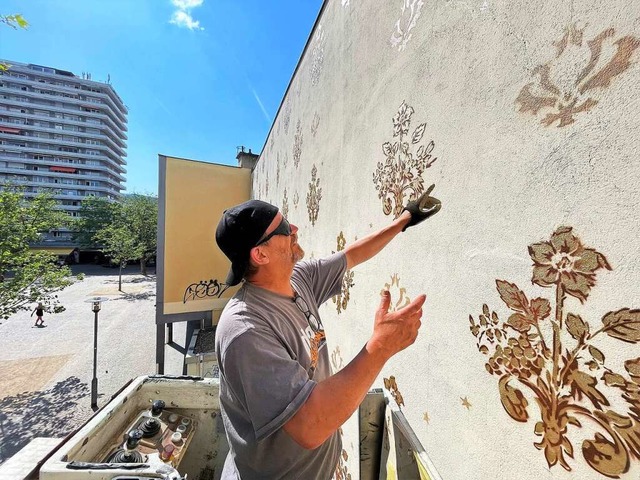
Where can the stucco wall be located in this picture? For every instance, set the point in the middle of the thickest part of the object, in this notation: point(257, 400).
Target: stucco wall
point(524, 115)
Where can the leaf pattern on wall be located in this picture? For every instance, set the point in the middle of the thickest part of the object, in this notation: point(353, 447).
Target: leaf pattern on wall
point(410, 12)
point(565, 85)
point(400, 175)
point(296, 199)
point(315, 123)
point(342, 299)
point(342, 470)
point(286, 116)
point(314, 196)
point(278, 169)
point(317, 55)
point(567, 376)
point(336, 360)
point(297, 145)
point(285, 204)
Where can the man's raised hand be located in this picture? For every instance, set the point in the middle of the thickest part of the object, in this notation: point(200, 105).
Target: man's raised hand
point(422, 208)
point(395, 331)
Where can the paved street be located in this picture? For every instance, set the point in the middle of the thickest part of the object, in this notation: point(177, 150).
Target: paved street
point(45, 373)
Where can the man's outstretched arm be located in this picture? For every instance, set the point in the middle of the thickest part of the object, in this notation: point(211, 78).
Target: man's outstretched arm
point(413, 213)
point(362, 250)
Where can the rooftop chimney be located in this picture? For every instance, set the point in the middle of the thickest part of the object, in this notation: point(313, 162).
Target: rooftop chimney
point(246, 159)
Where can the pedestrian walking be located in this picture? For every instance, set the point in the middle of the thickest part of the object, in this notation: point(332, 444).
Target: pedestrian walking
point(39, 311)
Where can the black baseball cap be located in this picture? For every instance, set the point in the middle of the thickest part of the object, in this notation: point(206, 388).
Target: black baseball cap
point(240, 229)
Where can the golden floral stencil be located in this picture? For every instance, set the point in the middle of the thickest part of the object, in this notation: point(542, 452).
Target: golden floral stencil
point(286, 119)
point(410, 12)
point(285, 204)
point(566, 374)
point(315, 123)
point(285, 162)
point(391, 385)
point(342, 299)
point(266, 187)
point(278, 169)
point(563, 87)
point(466, 403)
point(296, 199)
point(314, 196)
point(403, 299)
point(271, 142)
point(401, 173)
point(426, 418)
point(317, 55)
point(297, 145)
point(342, 471)
point(336, 359)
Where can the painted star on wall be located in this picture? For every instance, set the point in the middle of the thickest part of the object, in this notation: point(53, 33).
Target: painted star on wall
point(466, 403)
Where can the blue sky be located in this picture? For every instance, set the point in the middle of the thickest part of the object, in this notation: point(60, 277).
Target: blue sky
point(200, 77)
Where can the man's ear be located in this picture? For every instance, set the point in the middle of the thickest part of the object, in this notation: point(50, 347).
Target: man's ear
point(258, 256)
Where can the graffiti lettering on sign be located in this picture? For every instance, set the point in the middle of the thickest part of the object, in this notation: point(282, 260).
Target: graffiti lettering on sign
point(566, 85)
point(203, 289)
point(567, 374)
point(400, 174)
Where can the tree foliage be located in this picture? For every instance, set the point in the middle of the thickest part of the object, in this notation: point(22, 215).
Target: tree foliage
point(126, 230)
point(28, 276)
point(14, 21)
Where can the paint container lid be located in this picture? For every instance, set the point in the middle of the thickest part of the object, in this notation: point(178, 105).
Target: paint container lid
point(185, 421)
point(181, 429)
point(173, 418)
point(176, 438)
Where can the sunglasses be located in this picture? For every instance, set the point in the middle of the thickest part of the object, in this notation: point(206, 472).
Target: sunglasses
point(314, 323)
point(283, 229)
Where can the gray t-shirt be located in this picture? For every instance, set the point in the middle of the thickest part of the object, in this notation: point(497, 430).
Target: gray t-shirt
point(271, 357)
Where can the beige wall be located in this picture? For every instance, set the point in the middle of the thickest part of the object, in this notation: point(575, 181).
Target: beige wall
point(525, 116)
point(196, 194)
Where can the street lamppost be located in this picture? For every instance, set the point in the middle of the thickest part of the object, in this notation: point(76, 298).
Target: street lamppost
point(95, 308)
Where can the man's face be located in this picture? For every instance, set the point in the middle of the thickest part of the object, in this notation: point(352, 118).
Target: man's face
point(285, 248)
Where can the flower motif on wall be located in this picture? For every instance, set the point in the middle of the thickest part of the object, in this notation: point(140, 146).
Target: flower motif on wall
point(296, 199)
point(400, 174)
point(271, 143)
point(314, 196)
point(317, 55)
point(391, 385)
point(342, 299)
point(410, 12)
point(581, 69)
point(336, 359)
point(342, 471)
point(286, 116)
point(397, 292)
point(315, 123)
point(285, 204)
point(567, 375)
point(297, 145)
point(278, 169)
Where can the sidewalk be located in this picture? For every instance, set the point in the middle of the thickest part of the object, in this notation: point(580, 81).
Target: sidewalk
point(45, 373)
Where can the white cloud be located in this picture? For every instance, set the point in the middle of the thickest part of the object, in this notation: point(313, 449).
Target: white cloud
point(183, 19)
point(186, 4)
point(182, 16)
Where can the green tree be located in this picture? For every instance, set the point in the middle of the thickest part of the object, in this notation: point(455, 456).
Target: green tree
point(14, 21)
point(27, 276)
point(141, 212)
point(95, 214)
point(120, 245)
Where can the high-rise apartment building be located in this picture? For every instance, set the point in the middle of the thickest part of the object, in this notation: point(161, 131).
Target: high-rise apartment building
point(61, 133)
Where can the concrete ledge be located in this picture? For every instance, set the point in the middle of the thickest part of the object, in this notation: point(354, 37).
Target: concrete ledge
point(26, 460)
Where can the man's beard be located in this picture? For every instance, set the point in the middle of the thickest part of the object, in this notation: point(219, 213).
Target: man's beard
point(297, 253)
